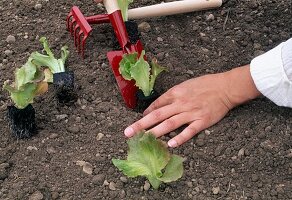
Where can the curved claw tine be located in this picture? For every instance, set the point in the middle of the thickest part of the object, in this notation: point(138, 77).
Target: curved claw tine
point(83, 46)
point(79, 37)
point(72, 24)
point(68, 20)
point(75, 34)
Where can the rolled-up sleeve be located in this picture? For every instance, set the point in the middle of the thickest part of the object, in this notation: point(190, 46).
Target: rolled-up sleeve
point(272, 74)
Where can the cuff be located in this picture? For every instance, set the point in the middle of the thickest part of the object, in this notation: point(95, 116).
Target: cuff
point(268, 74)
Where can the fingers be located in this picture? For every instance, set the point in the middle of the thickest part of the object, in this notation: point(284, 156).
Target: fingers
point(163, 100)
point(151, 119)
point(172, 123)
point(187, 133)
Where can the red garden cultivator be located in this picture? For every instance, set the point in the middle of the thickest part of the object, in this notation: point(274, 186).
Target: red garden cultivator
point(80, 28)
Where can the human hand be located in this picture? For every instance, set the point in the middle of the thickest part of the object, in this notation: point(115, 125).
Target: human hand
point(199, 102)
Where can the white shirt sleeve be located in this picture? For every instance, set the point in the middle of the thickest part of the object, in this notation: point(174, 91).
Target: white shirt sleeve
point(272, 74)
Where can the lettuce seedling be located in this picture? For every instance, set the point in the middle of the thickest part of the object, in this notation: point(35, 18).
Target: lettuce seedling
point(149, 157)
point(29, 82)
point(49, 60)
point(124, 6)
point(136, 67)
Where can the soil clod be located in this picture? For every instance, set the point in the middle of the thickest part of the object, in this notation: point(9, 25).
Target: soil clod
point(22, 121)
point(144, 102)
point(64, 87)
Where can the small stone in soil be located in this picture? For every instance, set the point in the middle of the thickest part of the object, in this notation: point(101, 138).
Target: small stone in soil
point(254, 177)
point(30, 148)
point(241, 152)
point(86, 166)
point(99, 136)
point(10, 39)
point(78, 119)
point(207, 132)
point(55, 195)
point(8, 52)
point(36, 196)
point(160, 55)
point(73, 129)
point(112, 186)
point(105, 182)
point(122, 194)
point(124, 179)
point(146, 186)
point(3, 173)
point(98, 179)
point(215, 190)
point(189, 184)
point(53, 136)
point(38, 6)
point(159, 39)
point(200, 142)
point(144, 27)
point(60, 117)
point(51, 150)
point(210, 17)
point(268, 128)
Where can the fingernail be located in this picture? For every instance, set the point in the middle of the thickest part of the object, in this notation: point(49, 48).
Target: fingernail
point(129, 132)
point(145, 112)
point(172, 143)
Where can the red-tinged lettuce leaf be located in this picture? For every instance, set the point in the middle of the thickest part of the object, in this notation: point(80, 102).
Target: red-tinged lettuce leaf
point(42, 88)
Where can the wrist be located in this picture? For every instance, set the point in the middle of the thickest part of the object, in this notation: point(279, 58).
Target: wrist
point(240, 86)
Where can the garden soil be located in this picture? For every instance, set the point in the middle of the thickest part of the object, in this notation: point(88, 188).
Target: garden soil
point(247, 155)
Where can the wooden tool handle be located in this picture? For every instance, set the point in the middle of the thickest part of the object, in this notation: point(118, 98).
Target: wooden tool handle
point(172, 8)
point(111, 6)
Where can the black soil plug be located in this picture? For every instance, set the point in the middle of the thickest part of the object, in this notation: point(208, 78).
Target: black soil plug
point(133, 33)
point(132, 29)
point(22, 121)
point(144, 102)
point(64, 87)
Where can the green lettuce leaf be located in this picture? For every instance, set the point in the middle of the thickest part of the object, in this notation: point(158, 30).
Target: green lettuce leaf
point(21, 97)
point(156, 69)
point(174, 169)
point(128, 61)
point(140, 72)
point(149, 157)
point(132, 67)
point(25, 74)
point(49, 60)
point(124, 6)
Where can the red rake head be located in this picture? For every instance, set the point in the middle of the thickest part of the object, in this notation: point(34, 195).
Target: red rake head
point(79, 26)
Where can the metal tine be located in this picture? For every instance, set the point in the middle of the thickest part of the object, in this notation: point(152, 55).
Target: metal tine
point(83, 46)
point(75, 34)
point(73, 24)
point(70, 15)
point(79, 41)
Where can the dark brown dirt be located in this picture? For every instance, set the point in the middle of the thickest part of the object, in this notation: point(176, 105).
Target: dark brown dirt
point(245, 156)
